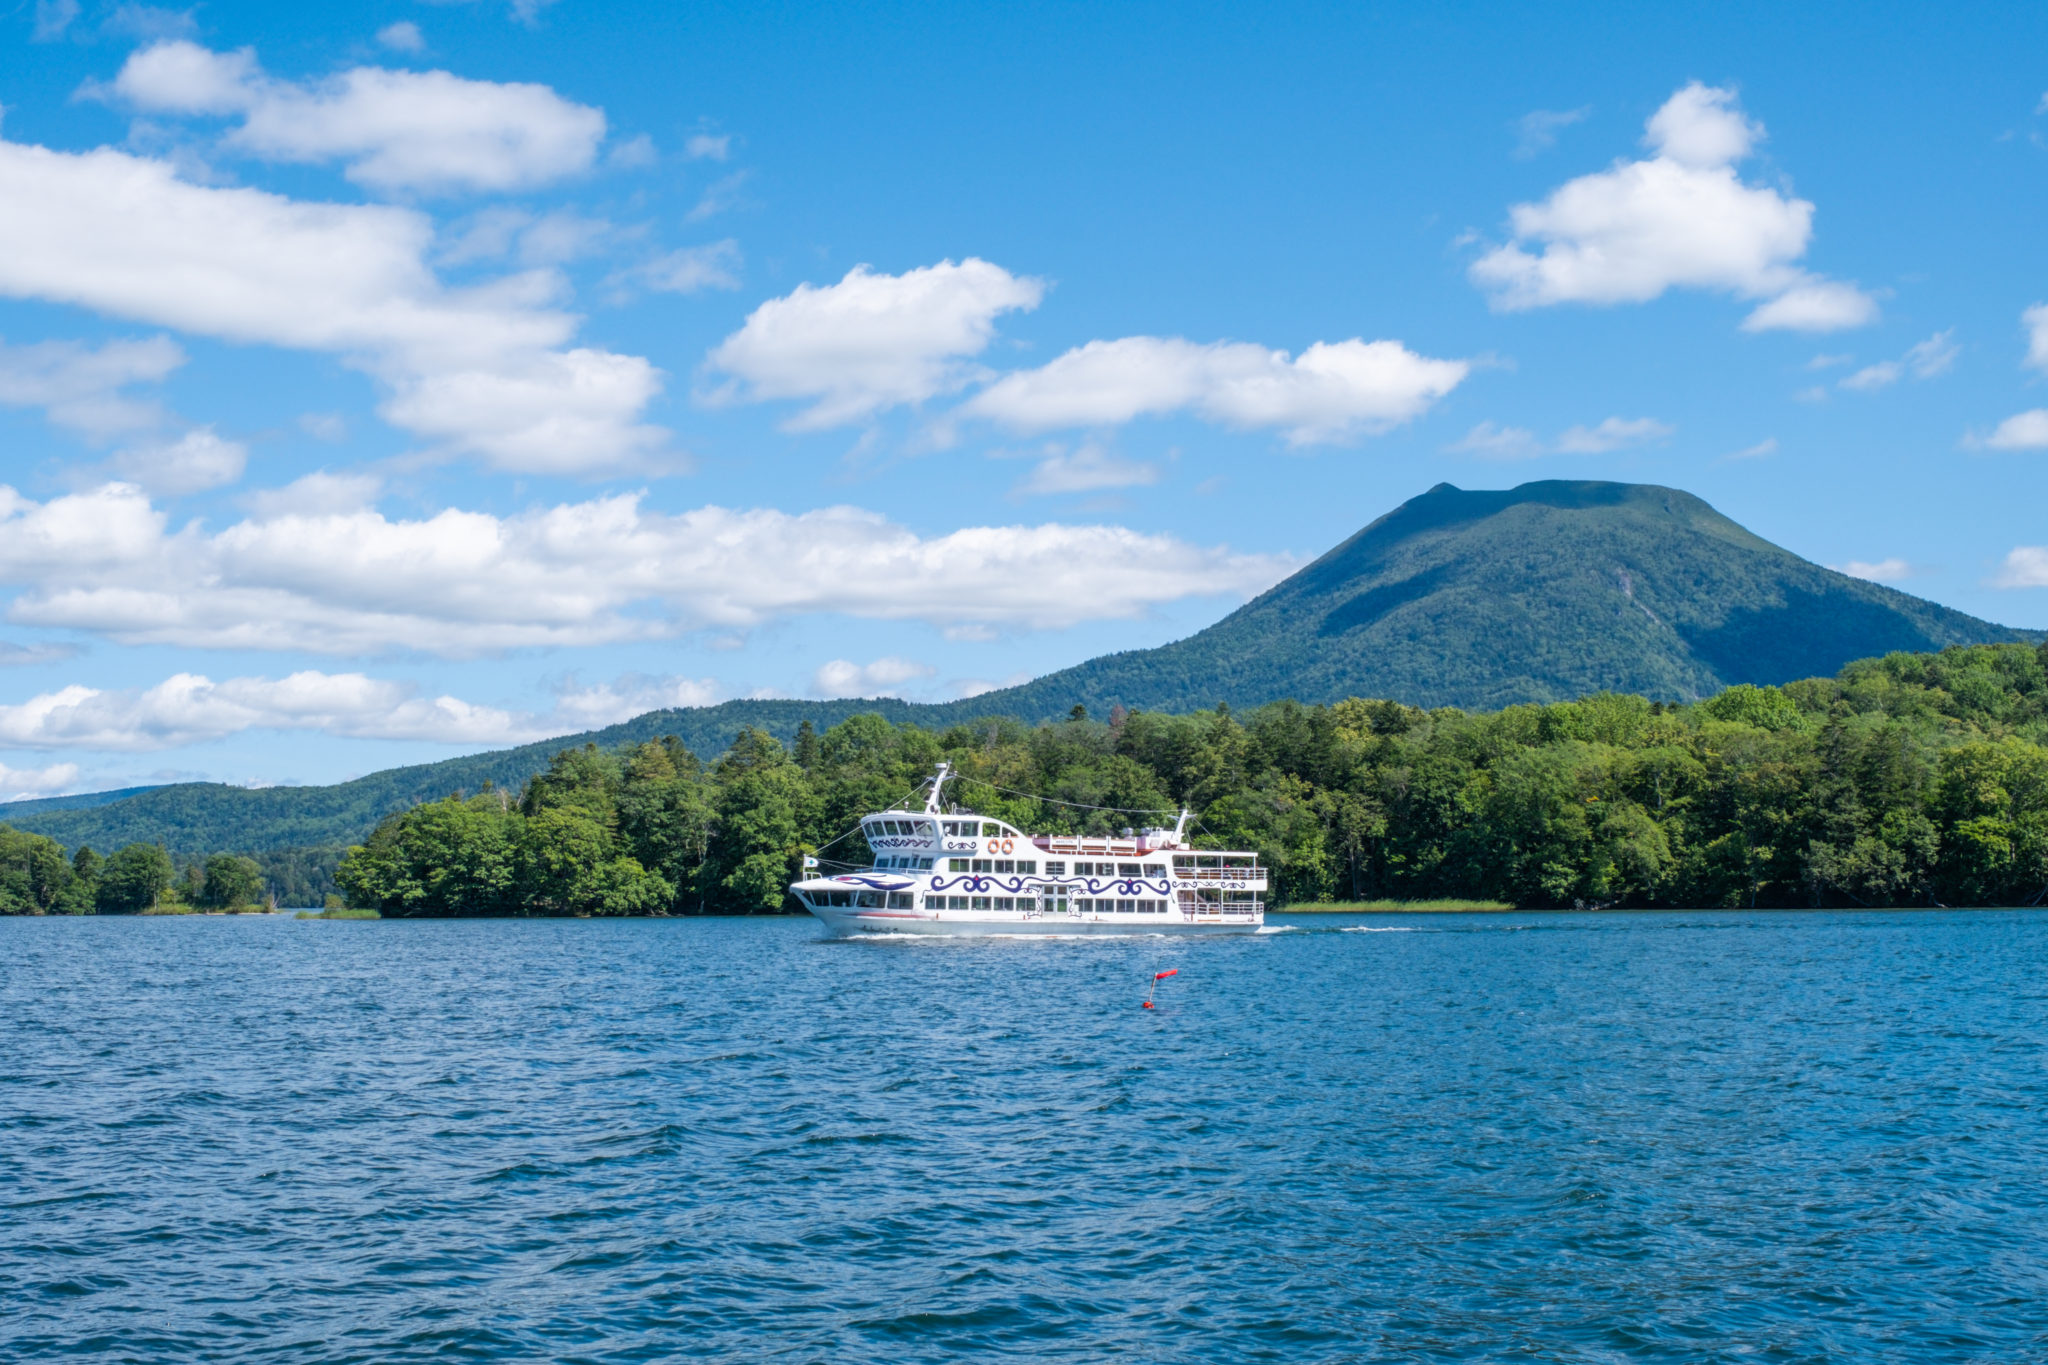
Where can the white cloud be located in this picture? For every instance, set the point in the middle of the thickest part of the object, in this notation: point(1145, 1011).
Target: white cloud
point(2036, 319)
point(964, 688)
point(561, 236)
point(627, 696)
point(351, 581)
point(330, 427)
point(1814, 305)
point(1088, 469)
point(403, 36)
point(20, 784)
point(715, 265)
point(316, 494)
point(882, 678)
point(190, 708)
point(708, 146)
point(1878, 571)
point(52, 18)
point(1615, 433)
point(197, 460)
point(1681, 218)
point(1929, 358)
point(1334, 390)
point(871, 341)
point(1767, 446)
point(1536, 131)
point(148, 23)
point(722, 195)
point(79, 387)
point(123, 235)
point(2026, 566)
point(1700, 126)
point(25, 656)
point(635, 153)
point(414, 131)
point(1491, 442)
point(2023, 431)
point(550, 412)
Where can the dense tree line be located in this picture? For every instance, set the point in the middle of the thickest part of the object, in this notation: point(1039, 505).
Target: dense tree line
point(36, 878)
point(1914, 779)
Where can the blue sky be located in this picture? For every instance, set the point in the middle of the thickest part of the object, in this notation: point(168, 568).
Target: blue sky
point(389, 381)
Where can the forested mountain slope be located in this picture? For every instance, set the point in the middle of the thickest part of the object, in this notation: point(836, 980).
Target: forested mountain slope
point(1916, 779)
point(1478, 600)
point(1545, 592)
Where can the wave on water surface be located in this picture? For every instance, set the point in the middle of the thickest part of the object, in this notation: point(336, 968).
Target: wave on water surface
point(274, 1140)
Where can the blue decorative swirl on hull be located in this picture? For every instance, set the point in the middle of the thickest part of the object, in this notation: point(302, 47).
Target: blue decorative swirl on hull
point(1084, 886)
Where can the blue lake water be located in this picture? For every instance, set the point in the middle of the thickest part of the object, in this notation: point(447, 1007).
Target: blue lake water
point(1687, 1137)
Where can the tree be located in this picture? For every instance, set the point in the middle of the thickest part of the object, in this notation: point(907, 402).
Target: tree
point(230, 883)
point(444, 858)
point(134, 879)
point(34, 877)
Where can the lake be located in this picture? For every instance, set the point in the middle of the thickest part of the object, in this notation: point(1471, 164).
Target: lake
point(1503, 1137)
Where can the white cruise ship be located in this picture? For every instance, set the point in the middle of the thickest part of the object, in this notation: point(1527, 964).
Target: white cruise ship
point(941, 872)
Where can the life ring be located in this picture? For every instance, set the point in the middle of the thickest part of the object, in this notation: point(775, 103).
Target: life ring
point(995, 846)
point(1008, 845)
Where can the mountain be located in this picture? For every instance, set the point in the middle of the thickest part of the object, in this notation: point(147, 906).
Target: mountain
point(1548, 591)
point(1471, 599)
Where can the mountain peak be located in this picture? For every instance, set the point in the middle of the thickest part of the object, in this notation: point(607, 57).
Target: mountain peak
point(1481, 598)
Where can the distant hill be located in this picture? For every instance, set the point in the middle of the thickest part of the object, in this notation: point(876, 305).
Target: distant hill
point(1471, 599)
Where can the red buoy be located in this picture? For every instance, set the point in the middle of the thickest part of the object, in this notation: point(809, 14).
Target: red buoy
point(1157, 977)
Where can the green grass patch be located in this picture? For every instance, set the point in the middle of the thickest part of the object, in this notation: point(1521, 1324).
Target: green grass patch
point(342, 912)
point(1450, 905)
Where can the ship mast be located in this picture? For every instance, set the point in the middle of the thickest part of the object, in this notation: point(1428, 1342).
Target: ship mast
point(931, 802)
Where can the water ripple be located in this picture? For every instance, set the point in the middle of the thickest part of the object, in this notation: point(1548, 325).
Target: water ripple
point(1684, 1137)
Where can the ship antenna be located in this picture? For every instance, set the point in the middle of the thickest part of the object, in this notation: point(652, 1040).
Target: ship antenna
point(1180, 827)
point(931, 803)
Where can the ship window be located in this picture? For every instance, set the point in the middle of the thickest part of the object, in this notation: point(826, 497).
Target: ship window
point(1130, 869)
point(1058, 869)
point(1028, 868)
point(1084, 869)
point(956, 864)
point(924, 864)
point(1006, 903)
point(980, 902)
point(1005, 865)
point(1126, 907)
point(983, 865)
point(991, 831)
point(869, 900)
point(900, 900)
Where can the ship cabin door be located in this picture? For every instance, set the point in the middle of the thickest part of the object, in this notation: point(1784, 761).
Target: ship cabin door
point(1055, 900)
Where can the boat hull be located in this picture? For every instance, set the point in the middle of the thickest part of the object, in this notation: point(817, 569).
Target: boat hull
point(853, 923)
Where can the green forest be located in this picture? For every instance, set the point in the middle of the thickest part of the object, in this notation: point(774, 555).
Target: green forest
point(1910, 780)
